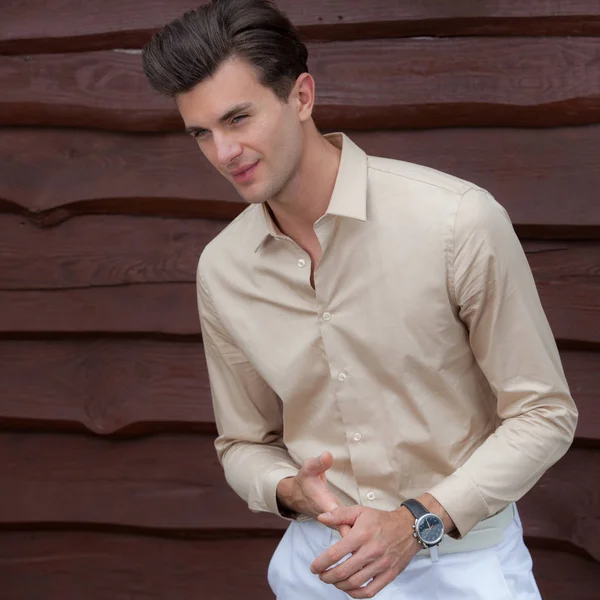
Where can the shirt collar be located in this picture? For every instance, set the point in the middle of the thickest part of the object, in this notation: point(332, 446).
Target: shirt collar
point(349, 197)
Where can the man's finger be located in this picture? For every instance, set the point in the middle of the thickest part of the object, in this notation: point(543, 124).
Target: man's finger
point(346, 570)
point(343, 515)
point(376, 585)
point(333, 554)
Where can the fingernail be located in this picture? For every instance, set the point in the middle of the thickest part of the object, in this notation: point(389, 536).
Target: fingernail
point(327, 514)
point(313, 570)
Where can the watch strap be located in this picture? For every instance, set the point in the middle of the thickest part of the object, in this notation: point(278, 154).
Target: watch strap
point(415, 507)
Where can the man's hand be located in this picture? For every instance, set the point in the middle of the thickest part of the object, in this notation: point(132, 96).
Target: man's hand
point(381, 543)
point(307, 492)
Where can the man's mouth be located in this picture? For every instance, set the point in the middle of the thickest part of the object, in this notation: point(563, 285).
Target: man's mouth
point(244, 173)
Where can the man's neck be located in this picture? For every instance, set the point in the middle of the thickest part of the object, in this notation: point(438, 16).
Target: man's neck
point(307, 197)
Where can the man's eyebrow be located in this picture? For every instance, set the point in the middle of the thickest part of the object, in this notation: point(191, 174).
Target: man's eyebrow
point(233, 111)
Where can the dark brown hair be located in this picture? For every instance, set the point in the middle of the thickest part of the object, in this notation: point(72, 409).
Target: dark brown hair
point(193, 47)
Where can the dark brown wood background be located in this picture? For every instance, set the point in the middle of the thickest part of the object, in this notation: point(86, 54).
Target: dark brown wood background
point(109, 485)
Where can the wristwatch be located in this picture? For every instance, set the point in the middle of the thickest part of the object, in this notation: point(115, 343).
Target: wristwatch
point(428, 528)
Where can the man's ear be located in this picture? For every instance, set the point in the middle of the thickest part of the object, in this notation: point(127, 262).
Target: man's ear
point(304, 93)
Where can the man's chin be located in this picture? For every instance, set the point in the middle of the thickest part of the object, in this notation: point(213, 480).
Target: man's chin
point(254, 199)
point(251, 197)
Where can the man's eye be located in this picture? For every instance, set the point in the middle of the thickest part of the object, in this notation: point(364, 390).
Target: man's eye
point(199, 134)
point(237, 119)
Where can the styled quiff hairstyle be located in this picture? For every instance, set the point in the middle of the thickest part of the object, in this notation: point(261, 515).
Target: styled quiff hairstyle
point(192, 48)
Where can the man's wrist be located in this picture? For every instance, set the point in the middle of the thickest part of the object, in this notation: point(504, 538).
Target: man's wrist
point(433, 506)
point(404, 522)
point(286, 498)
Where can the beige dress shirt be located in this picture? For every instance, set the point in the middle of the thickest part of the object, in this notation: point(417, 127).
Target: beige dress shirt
point(422, 359)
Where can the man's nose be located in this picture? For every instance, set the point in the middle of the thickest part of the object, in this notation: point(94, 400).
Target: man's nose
point(227, 149)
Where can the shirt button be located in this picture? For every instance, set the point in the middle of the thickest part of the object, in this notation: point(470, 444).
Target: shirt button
point(342, 376)
point(357, 437)
point(326, 316)
point(301, 262)
point(370, 496)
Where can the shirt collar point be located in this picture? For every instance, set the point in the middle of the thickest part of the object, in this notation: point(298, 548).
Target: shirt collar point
point(260, 244)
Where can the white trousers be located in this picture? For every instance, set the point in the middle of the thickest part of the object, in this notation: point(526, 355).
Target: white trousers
point(502, 572)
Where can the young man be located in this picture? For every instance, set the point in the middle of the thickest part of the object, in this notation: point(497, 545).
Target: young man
point(379, 360)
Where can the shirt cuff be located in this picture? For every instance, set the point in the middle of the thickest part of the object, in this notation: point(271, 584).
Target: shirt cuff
point(461, 499)
point(266, 500)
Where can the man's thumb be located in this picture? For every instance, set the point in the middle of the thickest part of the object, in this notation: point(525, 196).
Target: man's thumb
point(326, 460)
point(318, 465)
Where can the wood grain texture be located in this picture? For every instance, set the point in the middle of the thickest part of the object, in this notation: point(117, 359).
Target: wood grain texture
point(40, 565)
point(582, 370)
point(51, 175)
point(558, 574)
point(106, 386)
point(167, 484)
point(26, 27)
point(366, 84)
point(101, 251)
point(543, 513)
point(132, 387)
point(172, 485)
point(568, 281)
point(146, 309)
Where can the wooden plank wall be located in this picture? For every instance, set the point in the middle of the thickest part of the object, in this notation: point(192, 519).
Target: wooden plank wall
point(109, 486)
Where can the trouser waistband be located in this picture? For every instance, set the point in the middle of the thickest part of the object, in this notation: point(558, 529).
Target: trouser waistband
point(485, 534)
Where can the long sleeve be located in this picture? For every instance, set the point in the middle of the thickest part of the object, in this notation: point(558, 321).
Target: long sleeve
point(249, 443)
point(511, 340)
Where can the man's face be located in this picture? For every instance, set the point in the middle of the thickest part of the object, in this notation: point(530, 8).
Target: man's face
point(246, 132)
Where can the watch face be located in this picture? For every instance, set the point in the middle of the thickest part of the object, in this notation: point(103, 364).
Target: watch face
point(430, 529)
